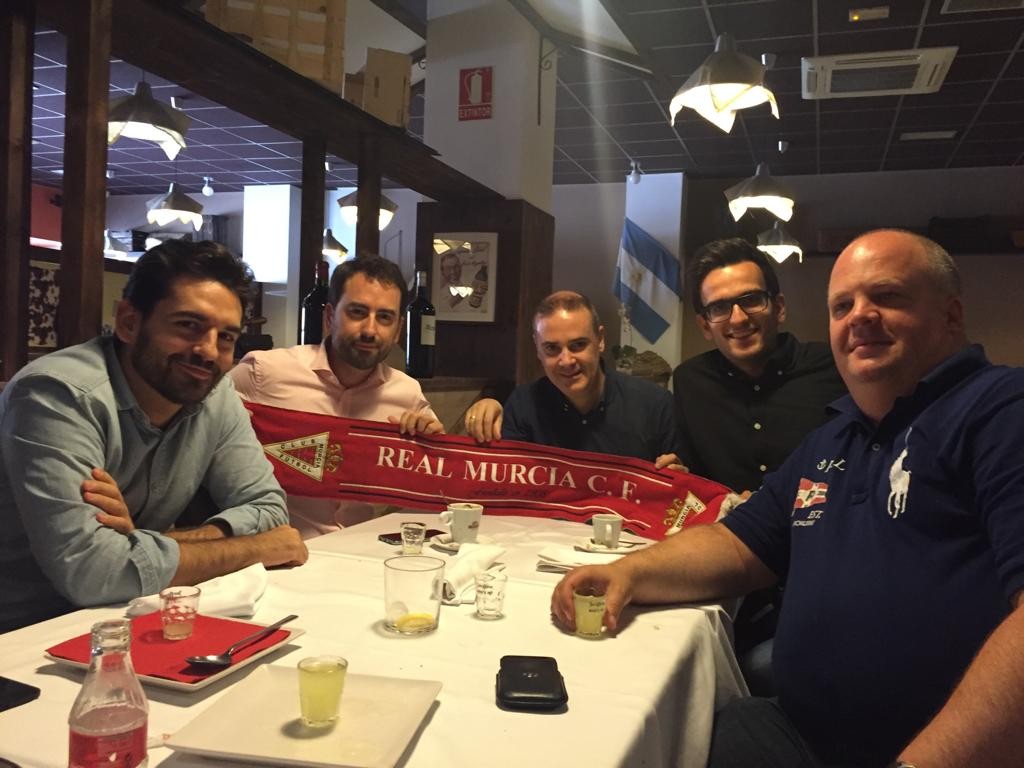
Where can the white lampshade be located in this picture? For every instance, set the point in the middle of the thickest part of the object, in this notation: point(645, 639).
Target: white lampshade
point(727, 81)
point(140, 116)
point(349, 210)
point(779, 244)
point(174, 205)
point(760, 191)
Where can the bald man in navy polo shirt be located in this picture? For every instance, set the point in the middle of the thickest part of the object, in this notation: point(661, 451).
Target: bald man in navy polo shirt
point(899, 529)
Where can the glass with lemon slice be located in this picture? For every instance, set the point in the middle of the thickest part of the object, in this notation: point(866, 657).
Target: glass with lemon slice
point(412, 593)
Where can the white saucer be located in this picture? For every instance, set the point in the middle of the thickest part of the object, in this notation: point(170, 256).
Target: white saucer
point(443, 541)
point(625, 545)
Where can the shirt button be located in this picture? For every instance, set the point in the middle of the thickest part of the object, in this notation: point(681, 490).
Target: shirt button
point(778, 373)
point(583, 420)
point(757, 425)
point(757, 387)
point(875, 446)
point(763, 468)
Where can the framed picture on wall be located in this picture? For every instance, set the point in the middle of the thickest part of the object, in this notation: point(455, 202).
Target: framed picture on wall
point(464, 276)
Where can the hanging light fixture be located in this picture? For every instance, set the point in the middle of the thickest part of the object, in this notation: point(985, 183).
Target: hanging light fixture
point(172, 205)
point(760, 191)
point(779, 244)
point(727, 81)
point(207, 186)
point(140, 116)
point(635, 174)
point(349, 210)
point(332, 247)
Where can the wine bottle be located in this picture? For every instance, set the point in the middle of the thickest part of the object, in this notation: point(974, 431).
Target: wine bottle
point(109, 718)
point(421, 324)
point(313, 304)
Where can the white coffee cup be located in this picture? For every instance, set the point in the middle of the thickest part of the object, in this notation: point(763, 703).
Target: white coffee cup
point(464, 521)
point(607, 528)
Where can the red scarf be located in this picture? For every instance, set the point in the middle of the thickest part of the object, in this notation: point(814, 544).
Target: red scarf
point(332, 457)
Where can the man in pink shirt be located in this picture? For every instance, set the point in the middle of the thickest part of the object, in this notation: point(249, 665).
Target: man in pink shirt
point(344, 376)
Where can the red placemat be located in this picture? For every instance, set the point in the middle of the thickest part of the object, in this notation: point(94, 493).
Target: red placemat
point(156, 657)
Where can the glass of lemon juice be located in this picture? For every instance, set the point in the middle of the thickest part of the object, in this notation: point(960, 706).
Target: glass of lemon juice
point(321, 682)
point(412, 593)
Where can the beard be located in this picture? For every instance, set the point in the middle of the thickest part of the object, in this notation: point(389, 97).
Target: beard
point(164, 375)
point(360, 359)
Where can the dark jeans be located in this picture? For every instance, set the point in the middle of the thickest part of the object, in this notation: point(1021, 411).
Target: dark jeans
point(756, 733)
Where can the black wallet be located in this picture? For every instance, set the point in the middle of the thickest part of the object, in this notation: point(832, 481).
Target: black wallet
point(530, 682)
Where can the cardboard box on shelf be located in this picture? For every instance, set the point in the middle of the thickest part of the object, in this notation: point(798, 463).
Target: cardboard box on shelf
point(306, 35)
point(382, 88)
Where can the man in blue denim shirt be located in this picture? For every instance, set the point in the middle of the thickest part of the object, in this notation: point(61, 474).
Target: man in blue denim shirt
point(102, 446)
point(899, 529)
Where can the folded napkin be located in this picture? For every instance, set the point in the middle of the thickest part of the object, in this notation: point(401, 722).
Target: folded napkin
point(155, 657)
point(563, 559)
point(459, 586)
point(234, 594)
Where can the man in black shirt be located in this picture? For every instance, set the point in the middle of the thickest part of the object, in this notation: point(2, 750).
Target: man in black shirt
point(578, 404)
point(745, 405)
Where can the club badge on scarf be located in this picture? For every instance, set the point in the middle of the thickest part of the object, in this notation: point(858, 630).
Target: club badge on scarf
point(332, 457)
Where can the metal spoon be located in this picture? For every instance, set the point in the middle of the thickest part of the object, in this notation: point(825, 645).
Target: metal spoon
point(221, 660)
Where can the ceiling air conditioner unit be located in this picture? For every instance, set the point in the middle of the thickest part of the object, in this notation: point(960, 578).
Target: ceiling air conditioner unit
point(977, 6)
point(882, 73)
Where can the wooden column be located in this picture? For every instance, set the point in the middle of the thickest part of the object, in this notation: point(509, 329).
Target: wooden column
point(17, 27)
point(85, 162)
point(311, 229)
point(368, 197)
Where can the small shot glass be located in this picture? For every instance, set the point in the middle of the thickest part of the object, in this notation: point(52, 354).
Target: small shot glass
point(321, 682)
point(412, 538)
point(490, 594)
point(589, 604)
point(178, 609)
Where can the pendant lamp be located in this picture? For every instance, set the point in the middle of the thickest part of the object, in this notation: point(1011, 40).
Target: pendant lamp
point(760, 191)
point(140, 116)
point(350, 209)
point(174, 205)
point(332, 247)
point(779, 244)
point(727, 81)
point(112, 247)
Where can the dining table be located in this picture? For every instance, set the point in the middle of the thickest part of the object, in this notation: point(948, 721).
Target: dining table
point(643, 696)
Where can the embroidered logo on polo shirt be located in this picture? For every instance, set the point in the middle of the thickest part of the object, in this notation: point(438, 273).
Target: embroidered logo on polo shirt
point(809, 494)
point(899, 481)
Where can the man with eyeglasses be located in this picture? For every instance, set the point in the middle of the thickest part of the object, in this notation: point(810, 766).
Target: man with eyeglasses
point(899, 529)
point(744, 406)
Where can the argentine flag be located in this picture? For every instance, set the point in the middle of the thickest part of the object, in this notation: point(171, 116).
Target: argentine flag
point(646, 282)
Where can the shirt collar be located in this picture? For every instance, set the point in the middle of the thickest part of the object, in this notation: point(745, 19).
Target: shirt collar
point(321, 364)
point(934, 384)
point(780, 361)
point(611, 385)
point(123, 395)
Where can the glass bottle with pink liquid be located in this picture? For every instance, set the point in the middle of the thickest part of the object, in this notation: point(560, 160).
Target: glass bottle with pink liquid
point(108, 719)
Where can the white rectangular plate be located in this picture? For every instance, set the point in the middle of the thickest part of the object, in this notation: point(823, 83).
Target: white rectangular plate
point(257, 721)
point(176, 685)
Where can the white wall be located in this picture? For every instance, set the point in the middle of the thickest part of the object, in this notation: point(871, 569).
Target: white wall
point(588, 226)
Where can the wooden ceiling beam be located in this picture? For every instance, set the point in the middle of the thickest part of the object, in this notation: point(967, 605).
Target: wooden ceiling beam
point(181, 47)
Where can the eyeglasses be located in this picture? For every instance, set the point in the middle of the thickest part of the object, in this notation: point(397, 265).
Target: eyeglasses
point(751, 303)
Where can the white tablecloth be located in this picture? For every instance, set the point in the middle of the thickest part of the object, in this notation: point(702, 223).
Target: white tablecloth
point(643, 698)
